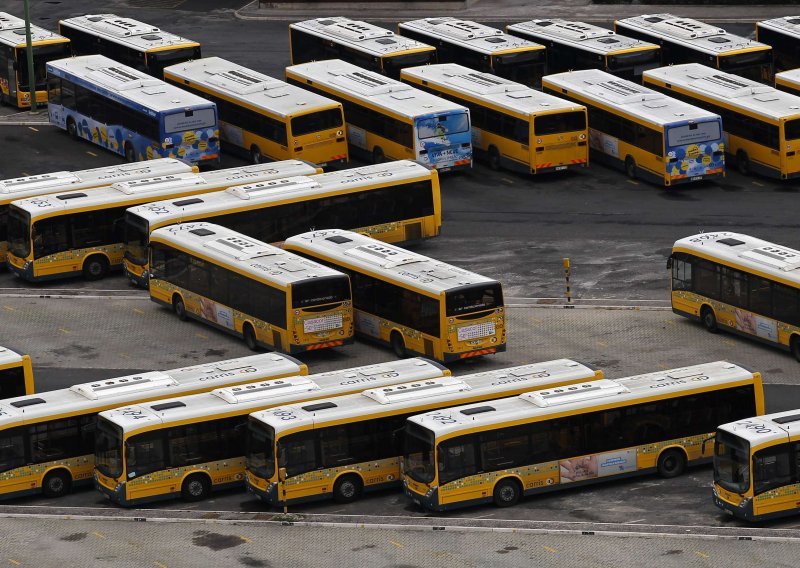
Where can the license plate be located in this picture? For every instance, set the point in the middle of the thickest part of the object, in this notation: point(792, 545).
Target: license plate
point(696, 178)
point(559, 168)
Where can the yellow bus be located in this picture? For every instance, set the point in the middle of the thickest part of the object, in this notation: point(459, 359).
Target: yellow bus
point(513, 126)
point(14, 75)
point(393, 202)
point(410, 302)
point(788, 81)
point(342, 447)
point(70, 233)
point(16, 374)
point(783, 35)
point(266, 117)
point(761, 124)
point(546, 440)
point(740, 284)
point(192, 445)
point(645, 133)
point(756, 476)
point(47, 440)
point(360, 43)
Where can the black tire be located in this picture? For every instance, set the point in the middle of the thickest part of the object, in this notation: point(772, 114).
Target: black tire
point(743, 163)
point(255, 155)
point(507, 493)
point(196, 487)
point(179, 308)
point(630, 167)
point(347, 489)
point(72, 128)
point(130, 154)
point(378, 157)
point(494, 158)
point(249, 335)
point(794, 345)
point(398, 345)
point(671, 463)
point(95, 268)
point(56, 483)
point(709, 319)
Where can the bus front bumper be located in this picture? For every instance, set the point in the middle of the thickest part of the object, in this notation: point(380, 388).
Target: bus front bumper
point(429, 501)
point(267, 494)
point(23, 269)
point(116, 496)
point(136, 274)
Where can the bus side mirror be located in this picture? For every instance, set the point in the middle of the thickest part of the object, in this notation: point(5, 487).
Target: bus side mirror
point(282, 474)
point(669, 263)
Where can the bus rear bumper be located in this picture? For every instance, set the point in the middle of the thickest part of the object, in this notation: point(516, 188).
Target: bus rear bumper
point(691, 179)
point(452, 357)
point(322, 345)
point(545, 169)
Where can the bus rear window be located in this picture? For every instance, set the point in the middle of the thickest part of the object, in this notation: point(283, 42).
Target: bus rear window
point(559, 122)
point(792, 129)
point(693, 133)
point(316, 122)
point(474, 298)
point(190, 119)
point(320, 291)
point(442, 125)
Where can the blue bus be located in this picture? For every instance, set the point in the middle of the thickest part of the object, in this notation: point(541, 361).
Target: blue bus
point(130, 113)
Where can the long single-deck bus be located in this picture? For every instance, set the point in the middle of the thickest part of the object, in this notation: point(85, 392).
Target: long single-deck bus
point(761, 124)
point(788, 81)
point(480, 47)
point(684, 40)
point(339, 448)
point(360, 43)
point(47, 440)
point(571, 436)
point(14, 76)
point(77, 232)
point(266, 117)
point(189, 446)
point(411, 302)
point(130, 113)
point(387, 119)
point(130, 42)
point(513, 126)
point(783, 35)
point(643, 132)
point(393, 202)
point(578, 45)
point(16, 374)
point(266, 295)
point(738, 283)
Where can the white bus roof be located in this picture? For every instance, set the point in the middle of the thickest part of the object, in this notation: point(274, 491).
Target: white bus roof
point(250, 87)
point(245, 399)
point(579, 34)
point(749, 252)
point(489, 88)
point(127, 31)
point(761, 430)
point(8, 356)
point(362, 36)
point(791, 77)
point(787, 25)
point(126, 82)
point(12, 32)
point(118, 391)
point(444, 391)
point(388, 261)
point(580, 396)
point(299, 186)
point(686, 31)
point(466, 33)
point(373, 88)
point(639, 101)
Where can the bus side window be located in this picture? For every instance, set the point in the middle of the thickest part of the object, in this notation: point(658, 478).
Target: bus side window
point(681, 272)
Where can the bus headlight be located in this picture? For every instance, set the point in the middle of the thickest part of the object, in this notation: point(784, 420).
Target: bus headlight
point(339, 133)
point(582, 136)
point(745, 502)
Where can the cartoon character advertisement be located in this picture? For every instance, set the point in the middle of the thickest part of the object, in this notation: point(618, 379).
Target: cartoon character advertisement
point(444, 139)
point(695, 149)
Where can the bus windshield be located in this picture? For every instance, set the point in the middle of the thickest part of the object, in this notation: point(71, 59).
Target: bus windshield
point(135, 239)
point(190, 119)
point(418, 454)
point(41, 55)
point(108, 449)
point(19, 231)
point(751, 64)
point(260, 443)
point(316, 121)
point(693, 133)
point(731, 462)
point(523, 67)
point(320, 291)
point(473, 298)
point(558, 123)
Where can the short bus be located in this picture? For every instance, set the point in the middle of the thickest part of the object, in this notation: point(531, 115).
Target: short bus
point(16, 374)
point(643, 132)
point(81, 232)
point(783, 35)
point(761, 124)
point(410, 302)
point(513, 126)
point(393, 202)
point(480, 47)
point(190, 446)
point(47, 440)
point(267, 296)
point(788, 81)
point(683, 40)
point(740, 284)
point(14, 189)
point(14, 76)
point(267, 118)
point(578, 45)
point(130, 42)
point(555, 438)
point(130, 113)
point(389, 120)
point(342, 447)
point(756, 474)
point(366, 45)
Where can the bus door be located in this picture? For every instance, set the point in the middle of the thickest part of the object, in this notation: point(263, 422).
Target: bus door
point(694, 149)
point(443, 140)
point(11, 79)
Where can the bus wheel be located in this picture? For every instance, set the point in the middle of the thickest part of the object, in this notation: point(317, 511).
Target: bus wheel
point(398, 345)
point(95, 267)
point(630, 167)
point(794, 345)
point(507, 493)
point(709, 319)
point(179, 307)
point(72, 128)
point(196, 487)
point(56, 483)
point(378, 156)
point(250, 337)
point(743, 163)
point(255, 155)
point(347, 489)
point(130, 153)
point(671, 463)
point(494, 158)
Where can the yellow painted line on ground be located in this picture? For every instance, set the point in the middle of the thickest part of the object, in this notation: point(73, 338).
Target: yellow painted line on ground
point(701, 554)
point(201, 336)
point(99, 535)
point(14, 562)
point(138, 311)
point(397, 544)
point(602, 344)
point(550, 549)
point(34, 129)
point(663, 365)
point(91, 153)
point(124, 355)
point(245, 539)
point(62, 330)
point(159, 564)
point(9, 309)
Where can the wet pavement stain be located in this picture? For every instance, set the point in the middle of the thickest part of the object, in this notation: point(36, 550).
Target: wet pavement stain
point(364, 547)
point(671, 552)
point(74, 537)
point(253, 562)
point(216, 541)
point(215, 352)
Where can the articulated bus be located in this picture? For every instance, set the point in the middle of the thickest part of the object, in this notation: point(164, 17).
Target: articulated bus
point(513, 126)
point(761, 124)
point(54, 182)
point(410, 302)
point(783, 35)
point(266, 295)
point(266, 117)
point(480, 47)
point(360, 43)
point(389, 120)
point(339, 448)
point(47, 441)
point(130, 42)
point(130, 113)
point(393, 202)
point(14, 76)
point(190, 446)
point(757, 466)
point(70, 233)
point(740, 284)
point(684, 40)
point(16, 374)
point(586, 433)
point(643, 132)
point(788, 81)
point(578, 45)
